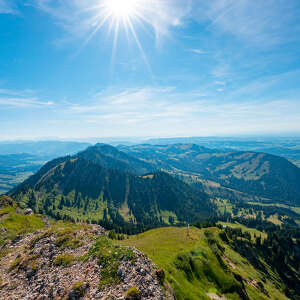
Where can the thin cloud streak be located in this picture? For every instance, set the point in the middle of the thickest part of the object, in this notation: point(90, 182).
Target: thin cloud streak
point(7, 7)
point(264, 23)
point(150, 106)
point(21, 99)
point(24, 103)
point(197, 51)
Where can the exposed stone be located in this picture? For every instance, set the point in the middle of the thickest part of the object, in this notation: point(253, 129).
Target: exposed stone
point(28, 211)
point(36, 276)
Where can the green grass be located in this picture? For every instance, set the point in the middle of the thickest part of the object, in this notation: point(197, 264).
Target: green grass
point(15, 264)
point(133, 294)
point(171, 248)
point(65, 260)
point(78, 287)
point(296, 209)
point(223, 205)
point(15, 224)
point(191, 266)
point(252, 231)
point(109, 257)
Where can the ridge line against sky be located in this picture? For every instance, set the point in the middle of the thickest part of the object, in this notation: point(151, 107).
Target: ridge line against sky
point(179, 68)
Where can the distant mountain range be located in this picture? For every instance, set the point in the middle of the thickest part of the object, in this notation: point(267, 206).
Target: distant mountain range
point(288, 147)
point(45, 149)
point(260, 175)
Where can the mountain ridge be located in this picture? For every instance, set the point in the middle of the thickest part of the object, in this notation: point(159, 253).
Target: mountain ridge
point(260, 174)
point(76, 187)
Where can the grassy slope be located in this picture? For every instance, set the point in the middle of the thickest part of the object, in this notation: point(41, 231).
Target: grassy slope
point(164, 244)
point(14, 224)
point(244, 228)
point(296, 209)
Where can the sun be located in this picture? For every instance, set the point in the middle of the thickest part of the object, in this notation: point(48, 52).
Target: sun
point(122, 8)
point(126, 17)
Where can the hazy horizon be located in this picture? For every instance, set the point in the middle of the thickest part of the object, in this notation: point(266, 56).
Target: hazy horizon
point(141, 139)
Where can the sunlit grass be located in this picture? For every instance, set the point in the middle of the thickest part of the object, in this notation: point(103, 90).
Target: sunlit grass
point(163, 245)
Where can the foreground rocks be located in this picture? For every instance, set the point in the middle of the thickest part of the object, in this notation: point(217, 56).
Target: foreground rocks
point(55, 264)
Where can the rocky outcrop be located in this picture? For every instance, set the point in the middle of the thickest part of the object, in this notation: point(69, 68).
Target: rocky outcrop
point(56, 264)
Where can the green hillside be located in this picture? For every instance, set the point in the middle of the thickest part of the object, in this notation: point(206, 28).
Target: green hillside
point(199, 265)
point(258, 175)
point(78, 188)
point(111, 158)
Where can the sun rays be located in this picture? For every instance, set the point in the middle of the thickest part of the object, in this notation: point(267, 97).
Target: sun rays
point(124, 17)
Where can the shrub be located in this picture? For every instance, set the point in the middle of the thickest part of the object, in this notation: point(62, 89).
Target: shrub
point(183, 262)
point(133, 294)
point(65, 260)
point(37, 238)
point(79, 288)
point(68, 241)
point(15, 264)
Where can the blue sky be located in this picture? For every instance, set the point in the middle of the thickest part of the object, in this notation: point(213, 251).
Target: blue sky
point(182, 68)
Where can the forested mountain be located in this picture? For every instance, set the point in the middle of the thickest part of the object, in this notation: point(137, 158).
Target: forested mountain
point(80, 187)
point(111, 158)
point(257, 174)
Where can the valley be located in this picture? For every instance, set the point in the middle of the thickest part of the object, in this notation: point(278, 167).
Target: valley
point(20, 160)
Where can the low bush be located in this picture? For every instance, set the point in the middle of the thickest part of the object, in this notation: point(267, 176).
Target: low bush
point(133, 294)
point(79, 288)
point(15, 264)
point(65, 260)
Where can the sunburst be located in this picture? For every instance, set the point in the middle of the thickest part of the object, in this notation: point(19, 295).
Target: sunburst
point(127, 15)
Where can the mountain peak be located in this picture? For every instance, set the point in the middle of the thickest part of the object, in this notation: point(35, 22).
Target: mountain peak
point(110, 157)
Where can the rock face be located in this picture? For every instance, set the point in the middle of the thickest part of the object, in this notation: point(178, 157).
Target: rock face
point(140, 274)
point(55, 264)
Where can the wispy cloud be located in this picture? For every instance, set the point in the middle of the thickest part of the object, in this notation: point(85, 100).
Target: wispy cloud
point(265, 22)
point(197, 51)
point(221, 70)
point(285, 83)
point(160, 111)
point(21, 99)
point(166, 111)
point(8, 7)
